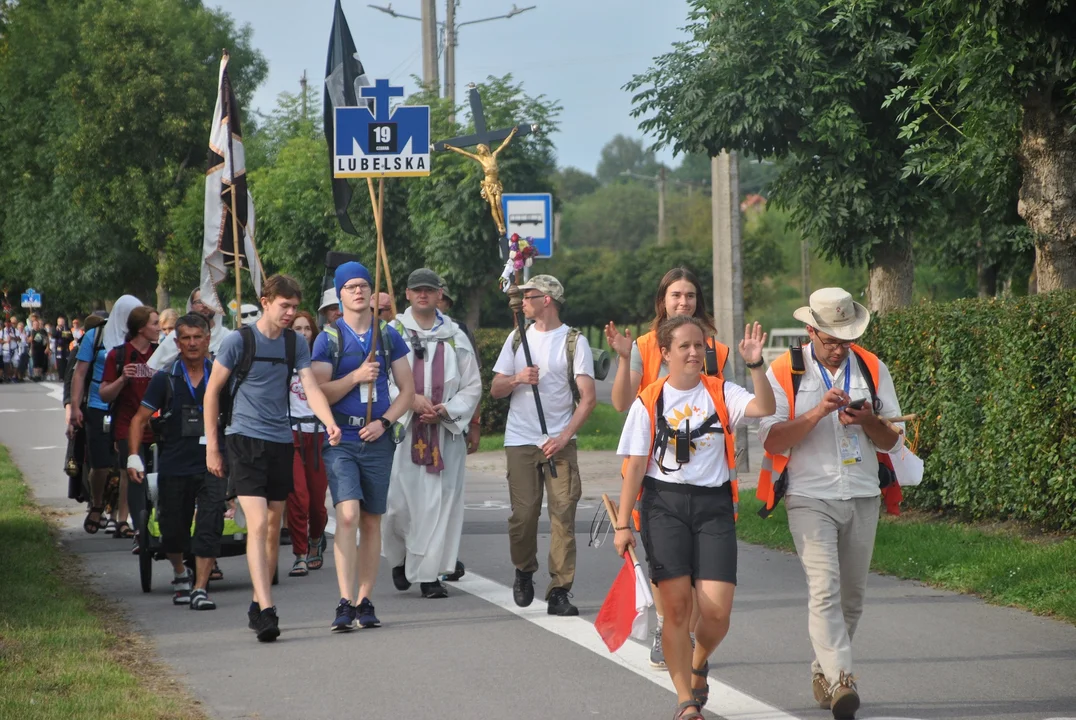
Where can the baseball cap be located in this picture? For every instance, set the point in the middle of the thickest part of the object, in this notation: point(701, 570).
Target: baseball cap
point(328, 299)
point(423, 278)
point(547, 285)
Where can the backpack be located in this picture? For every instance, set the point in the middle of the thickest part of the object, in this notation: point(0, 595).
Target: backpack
point(334, 332)
point(247, 358)
point(569, 349)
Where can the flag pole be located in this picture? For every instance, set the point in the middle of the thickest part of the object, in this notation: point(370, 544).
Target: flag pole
point(610, 507)
point(379, 209)
point(382, 253)
point(235, 258)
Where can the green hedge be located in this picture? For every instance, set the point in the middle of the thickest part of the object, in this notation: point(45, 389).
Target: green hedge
point(494, 412)
point(994, 382)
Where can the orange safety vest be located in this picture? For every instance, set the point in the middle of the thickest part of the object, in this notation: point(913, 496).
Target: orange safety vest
point(716, 388)
point(773, 466)
point(651, 356)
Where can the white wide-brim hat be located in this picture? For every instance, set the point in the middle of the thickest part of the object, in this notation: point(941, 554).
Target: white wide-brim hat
point(834, 312)
point(328, 299)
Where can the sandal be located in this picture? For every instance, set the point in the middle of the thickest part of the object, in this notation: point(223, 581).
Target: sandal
point(682, 712)
point(702, 694)
point(92, 526)
point(298, 568)
point(315, 561)
point(123, 531)
point(216, 573)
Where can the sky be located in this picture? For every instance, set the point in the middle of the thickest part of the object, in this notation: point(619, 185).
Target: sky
point(578, 52)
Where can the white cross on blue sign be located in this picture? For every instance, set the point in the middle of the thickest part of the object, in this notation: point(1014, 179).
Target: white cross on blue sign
point(386, 143)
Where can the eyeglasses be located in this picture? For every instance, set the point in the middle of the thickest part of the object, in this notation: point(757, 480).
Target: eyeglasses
point(533, 297)
point(356, 288)
point(834, 344)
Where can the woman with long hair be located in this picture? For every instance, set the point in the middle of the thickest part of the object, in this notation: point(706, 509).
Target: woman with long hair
point(680, 449)
point(306, 511)
point(124, 383)
point(641, 363)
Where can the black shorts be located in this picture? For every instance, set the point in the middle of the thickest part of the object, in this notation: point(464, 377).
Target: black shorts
point(99, 443)
point(688, 530)
point(179, 496)
point(259, 468)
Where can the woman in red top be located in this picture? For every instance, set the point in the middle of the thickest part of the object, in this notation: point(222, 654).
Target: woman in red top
point(124, 383)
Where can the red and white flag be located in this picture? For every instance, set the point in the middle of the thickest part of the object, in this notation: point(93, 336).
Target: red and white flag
point(624, 613)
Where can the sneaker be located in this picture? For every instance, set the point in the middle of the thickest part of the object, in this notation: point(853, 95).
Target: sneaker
point(267, 626)
point(559, 604)
point(399, 578)
point(367, 618)
point(845, 700)
point(252, 615)
point(820, 688)
point(657, 655)
point(200, 601)
point(345, 617)
point(433, 590)
point(523, 589)
point(457, 574)
point(181, 589)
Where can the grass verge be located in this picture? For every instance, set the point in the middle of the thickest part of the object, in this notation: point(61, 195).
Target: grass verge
point(601, 431)
point(1000, 567)
point(64, 652)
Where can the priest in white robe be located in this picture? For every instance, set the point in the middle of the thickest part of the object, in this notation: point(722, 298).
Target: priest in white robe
point(421, 530)
point(167, 352)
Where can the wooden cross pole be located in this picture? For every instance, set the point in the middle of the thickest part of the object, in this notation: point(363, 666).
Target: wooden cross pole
point(382, 254)
point(375, 329)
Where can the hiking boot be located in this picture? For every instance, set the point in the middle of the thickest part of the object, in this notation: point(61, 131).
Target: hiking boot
point(821, 690)
point(365, 612)
point(252, 615)
point(181, 589)
point(845, 700)
point(433, 590)
point(657, 655)
point(345, 617)
point(267, 626)
point(457, 573)
point(399, 578)
point(523, 589)
point(559, 604)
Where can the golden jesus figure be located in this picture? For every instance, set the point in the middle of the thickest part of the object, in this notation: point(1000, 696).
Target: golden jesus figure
point(491, 183)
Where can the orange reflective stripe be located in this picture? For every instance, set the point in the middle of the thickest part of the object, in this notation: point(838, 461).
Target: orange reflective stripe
point(774, 465)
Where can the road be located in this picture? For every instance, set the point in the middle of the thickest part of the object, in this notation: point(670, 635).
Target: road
point(921, 652)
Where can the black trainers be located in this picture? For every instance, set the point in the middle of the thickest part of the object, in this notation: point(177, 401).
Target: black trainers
point(252, 615)
point(457, 574)
point(523, 589)
point(267, 626)
point(399, 578)
point(366, 616)
point(345, 617)
point(433, 590)
point(559, 604)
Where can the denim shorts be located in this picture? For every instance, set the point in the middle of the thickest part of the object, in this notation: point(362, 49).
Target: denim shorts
point(360, 471)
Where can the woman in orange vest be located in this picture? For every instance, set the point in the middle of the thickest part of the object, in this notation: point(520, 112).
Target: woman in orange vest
point(680, 449)
point(640, 364)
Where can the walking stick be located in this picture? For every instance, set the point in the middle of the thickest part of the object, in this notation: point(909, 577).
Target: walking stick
point(375, 326)
point(610, 507)
point(515, 302)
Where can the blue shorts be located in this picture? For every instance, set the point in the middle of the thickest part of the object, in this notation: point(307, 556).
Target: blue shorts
point(360, 471)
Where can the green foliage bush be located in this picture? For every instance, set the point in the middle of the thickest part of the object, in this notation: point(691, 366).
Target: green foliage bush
point(494, 412)
point(994, 382)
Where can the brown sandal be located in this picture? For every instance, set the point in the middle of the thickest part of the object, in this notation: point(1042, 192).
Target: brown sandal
point(682, 712)
point(702, 694)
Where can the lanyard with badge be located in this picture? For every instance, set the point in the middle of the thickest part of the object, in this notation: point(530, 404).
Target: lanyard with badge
point(364, 388)
point(847, 440)
point(192, 423)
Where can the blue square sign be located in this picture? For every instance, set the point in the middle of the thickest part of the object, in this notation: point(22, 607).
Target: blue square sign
point(530, 215)
point(386, 143)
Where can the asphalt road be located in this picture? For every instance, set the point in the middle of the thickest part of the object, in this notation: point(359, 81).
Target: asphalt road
point(921, 652)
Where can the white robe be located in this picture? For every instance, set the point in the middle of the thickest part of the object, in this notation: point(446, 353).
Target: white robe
point(167, 352)
point(422, 526)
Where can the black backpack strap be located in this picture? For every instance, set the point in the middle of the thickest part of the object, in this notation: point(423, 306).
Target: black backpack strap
point(865, 371)
point(246, 359)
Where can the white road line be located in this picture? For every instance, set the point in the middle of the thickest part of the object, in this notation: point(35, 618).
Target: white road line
point(56, 390)
point(19, 410)
point(725, 700)
point(46, 447)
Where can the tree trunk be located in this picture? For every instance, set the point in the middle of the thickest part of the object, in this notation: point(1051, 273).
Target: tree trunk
point(474, 307)
point(163, 298)
point(891, 275)
point(1048, 192)
point(988, 280)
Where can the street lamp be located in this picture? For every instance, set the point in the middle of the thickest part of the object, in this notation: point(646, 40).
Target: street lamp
point(448, 36)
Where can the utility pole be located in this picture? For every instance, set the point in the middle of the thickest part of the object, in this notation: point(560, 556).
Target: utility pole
point(661, 206)
point(450, 56)
point(302, 93)
point(429, 44)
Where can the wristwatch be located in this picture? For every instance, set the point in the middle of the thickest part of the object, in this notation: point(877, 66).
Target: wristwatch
point(385, 422)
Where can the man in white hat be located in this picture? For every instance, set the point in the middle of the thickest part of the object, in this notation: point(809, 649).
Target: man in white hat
point(822, 453)
point(330, 307)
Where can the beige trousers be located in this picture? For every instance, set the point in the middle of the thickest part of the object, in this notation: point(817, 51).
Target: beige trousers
point(834, 540)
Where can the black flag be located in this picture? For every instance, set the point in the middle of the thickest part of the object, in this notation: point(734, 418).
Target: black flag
point(344, 75)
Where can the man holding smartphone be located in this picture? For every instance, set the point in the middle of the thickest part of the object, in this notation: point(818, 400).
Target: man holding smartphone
point(822, 448)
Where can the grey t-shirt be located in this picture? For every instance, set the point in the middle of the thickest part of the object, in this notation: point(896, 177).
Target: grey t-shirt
point(261, 409)
point(637, 362)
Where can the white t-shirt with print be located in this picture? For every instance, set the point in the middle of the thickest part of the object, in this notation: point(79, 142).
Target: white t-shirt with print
point(300, 408)
point(707, 467)
point(549, 353)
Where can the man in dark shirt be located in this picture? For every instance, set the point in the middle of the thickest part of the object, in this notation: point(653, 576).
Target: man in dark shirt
point(39, 349)
point(183, 479)
point(63, 337)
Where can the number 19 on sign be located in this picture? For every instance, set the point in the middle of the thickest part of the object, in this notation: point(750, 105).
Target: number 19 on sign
point(383, 137)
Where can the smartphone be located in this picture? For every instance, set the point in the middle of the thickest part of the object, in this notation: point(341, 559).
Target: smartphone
point(856, 404)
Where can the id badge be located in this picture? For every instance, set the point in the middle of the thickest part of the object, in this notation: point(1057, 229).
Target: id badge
point(192, 423)
point(364, 393)
point(848, 445)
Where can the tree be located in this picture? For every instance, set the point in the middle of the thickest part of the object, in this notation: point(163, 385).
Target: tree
point(989, 106)
point(803, 81)
point(624, 215)
point(572, 183)
point(623, 154)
